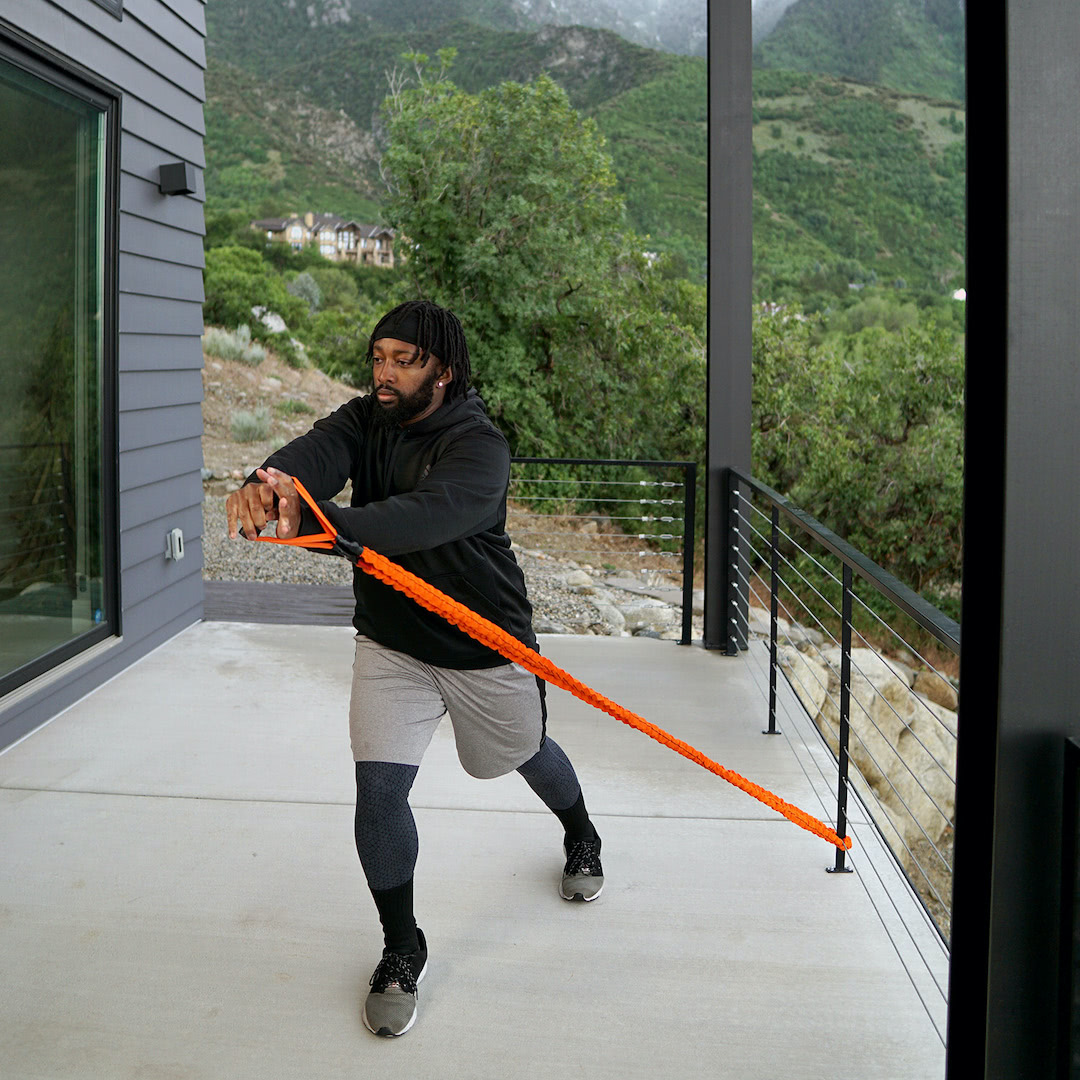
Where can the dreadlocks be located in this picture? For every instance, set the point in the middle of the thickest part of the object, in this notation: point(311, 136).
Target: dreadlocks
point(433, 329)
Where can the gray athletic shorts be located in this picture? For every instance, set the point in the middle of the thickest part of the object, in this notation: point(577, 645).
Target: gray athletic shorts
point(397, 702)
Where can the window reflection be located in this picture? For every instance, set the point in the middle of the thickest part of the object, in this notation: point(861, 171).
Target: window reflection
point(51, 292)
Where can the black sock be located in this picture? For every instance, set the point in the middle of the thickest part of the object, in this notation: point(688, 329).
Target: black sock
point(575, 820)
point(396, 915)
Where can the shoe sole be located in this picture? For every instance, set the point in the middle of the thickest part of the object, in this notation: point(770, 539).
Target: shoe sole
point(581, 896)
point(385, 1032)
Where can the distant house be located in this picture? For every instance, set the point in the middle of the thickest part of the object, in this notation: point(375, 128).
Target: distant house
point(338, 238)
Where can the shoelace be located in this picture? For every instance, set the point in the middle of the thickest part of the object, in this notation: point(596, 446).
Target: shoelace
point(583, 859)
point(393, 968)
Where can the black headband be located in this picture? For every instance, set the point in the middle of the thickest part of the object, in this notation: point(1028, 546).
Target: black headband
point(405, 326)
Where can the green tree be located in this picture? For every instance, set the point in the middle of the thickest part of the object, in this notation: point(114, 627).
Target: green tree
point(866, 434)
point(237, 279)
point(508, 202)
point(509, 205)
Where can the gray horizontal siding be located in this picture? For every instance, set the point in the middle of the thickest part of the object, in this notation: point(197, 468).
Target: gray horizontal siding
point(169, 25)
point(150, 464)
point(146, 579)
point(192, 14)
point(155, 56)
point(151, 389)
point(153, 352)
point(138, 236)
point(156, 314)
point(163, 21)
point(142, 197)
point(147, 541)
point(143, 427)
point(183, 595)
point(159, 501)
point(125, 53)
point(143, 157)
point(152, 277)
point(157, 127)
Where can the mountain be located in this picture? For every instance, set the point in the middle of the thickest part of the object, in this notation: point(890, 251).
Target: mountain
point(911, 45)
point(766, 14)
point(678, 26)
point(853, 183)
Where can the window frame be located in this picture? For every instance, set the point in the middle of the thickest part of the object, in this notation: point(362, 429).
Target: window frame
point(57, 70)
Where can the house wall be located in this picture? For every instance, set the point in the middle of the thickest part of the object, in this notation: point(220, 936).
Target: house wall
point(155, 54)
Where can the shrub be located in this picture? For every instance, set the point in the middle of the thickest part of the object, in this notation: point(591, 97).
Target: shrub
point(306, 288)
point(233, 345)
point(250, 426)
point(236, 280)
point(338, 345)
point(337, 287)
point(293, 407)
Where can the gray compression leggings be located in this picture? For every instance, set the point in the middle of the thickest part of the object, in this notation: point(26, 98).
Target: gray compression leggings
point(386, 830)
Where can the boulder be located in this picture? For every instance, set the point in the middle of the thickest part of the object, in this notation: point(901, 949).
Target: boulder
point(648, 614)
point(578, 578)
point(805, 638)
point(937, 688)
point(610, 616)
point(809, 677)
point(870, 665)
point(759, 623)
point(270, 319)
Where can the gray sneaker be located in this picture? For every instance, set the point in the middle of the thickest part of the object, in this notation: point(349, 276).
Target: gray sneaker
point(583, 876)
point(390, 1008)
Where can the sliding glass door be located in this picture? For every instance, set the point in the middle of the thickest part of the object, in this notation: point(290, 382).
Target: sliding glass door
point(55, 481)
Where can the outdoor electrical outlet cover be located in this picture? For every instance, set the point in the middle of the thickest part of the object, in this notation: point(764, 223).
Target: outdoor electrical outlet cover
point(174, 544)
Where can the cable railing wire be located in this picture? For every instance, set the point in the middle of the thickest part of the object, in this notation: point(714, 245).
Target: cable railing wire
point(905, 723)
point(828, 694)
point(851, 789)
point(926, 917)
point(877, 692)
point(625, 502)
point(928, 921)
point(797, 726)
point(775, 554)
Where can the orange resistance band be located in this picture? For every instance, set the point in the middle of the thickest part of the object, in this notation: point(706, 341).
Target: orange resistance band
point(494, 637)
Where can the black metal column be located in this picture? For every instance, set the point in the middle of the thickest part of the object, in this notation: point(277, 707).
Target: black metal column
point(1020, 682)
point(730, 277)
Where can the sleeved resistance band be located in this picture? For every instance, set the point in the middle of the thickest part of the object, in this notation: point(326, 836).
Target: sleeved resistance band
point(494, 637)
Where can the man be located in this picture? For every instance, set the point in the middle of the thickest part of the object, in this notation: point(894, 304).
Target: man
point(429, 475)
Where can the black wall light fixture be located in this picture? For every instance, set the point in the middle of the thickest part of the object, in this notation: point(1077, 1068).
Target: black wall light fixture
point(176, 178)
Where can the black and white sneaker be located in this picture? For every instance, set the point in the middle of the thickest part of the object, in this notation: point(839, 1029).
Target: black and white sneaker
point(390, 1008)
point(583, 876)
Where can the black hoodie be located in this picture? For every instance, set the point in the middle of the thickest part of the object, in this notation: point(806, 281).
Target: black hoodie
point(432, 497)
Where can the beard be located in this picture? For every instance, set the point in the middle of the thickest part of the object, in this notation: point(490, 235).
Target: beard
point(406, 406)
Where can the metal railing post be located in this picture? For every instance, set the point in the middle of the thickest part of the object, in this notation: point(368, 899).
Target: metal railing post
point(737, 629)
point(689, 526)
point(845, 721)
point(774, 588)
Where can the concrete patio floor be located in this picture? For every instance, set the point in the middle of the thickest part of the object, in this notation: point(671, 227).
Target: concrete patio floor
point(181, 898)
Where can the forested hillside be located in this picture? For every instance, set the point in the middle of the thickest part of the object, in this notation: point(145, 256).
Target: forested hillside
point(911, 45)
point(852, 182)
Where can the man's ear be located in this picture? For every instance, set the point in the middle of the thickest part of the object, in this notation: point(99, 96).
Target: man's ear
point(445, 377)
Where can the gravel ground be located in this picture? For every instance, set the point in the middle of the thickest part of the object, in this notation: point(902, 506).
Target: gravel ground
point(558, 607)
